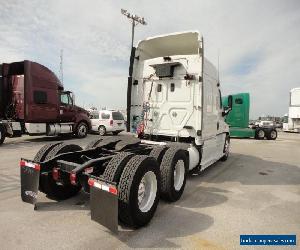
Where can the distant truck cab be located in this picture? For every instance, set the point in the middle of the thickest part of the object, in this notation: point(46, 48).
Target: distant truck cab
point(34, 102)
point(292, 119)
point(238, 120)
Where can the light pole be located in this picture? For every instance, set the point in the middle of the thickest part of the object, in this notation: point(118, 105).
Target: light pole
point(135, 20)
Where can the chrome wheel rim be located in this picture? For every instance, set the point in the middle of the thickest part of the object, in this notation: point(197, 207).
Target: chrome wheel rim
point(101, 130)
point(261, 134)
point(179, 172)
point(273, 134)
point(147, 191)
point(82, 130)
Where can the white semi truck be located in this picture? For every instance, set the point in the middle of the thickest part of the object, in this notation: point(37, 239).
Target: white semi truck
point(174, 105)
point(292, 119)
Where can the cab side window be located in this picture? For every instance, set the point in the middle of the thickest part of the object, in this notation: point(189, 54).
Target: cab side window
point(105, 116)
point(238, 101)
point(65, 99)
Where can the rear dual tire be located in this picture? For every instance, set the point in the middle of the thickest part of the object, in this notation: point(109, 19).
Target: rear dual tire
point(139, 191)
point(47, 184)
point(137, 178)
point(173, 170)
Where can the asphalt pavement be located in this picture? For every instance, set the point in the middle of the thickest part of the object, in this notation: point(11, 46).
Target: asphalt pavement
point(256, 191)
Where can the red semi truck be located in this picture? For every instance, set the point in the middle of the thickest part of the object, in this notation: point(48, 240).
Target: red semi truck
point(33, 101)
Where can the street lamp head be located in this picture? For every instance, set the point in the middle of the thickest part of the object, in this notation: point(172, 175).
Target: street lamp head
point(135, 18)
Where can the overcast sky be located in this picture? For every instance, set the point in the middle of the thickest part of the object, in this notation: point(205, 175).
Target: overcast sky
point(258, 42)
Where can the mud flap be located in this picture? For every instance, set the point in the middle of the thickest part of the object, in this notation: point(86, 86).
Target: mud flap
point(30, 175)
point(104, 204)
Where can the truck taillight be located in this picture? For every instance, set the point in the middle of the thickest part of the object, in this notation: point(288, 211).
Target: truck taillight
point(55, 174)
point(22, 163)
point(111, 122)
point(35, 166)
point(73, 178)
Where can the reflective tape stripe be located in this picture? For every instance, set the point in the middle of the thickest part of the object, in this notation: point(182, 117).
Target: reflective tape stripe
point(30, 165)
point(97, 185)
point(104, 187)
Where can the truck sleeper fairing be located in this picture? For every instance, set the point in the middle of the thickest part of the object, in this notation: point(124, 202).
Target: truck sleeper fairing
point(168, 104)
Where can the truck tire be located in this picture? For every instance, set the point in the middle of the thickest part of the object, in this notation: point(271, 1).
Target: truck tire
point(126, 142)
point(173, 171)
point(62, 148)
point(93, 143)
point(40, 156)
point(139, 191)
point(226, 148)
point(115, 167)
point(2, 134)
point(102, 130)
point(272, 134)
point(158, 152)
point(49, 186)
point(81, 130)
point(42, 153)
point(109, 142)
point(259, 134)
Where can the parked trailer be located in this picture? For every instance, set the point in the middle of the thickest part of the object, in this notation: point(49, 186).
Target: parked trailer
point(174, 104)
point(33, 101)
point(238, 120)
point(292, 119)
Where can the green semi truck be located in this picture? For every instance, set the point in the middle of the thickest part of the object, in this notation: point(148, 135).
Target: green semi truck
point(238, 120)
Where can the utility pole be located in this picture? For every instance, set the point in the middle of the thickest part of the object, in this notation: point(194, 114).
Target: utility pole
point(135, 20)
point(61, 70)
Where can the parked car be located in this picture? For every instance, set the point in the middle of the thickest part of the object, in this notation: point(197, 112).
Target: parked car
point(105, 121)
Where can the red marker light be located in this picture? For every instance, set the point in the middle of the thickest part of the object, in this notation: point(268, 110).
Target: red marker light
point(55, 174)
point(111, 122)
point(37, 167)
point(22, 163)
point(113, 190)
point(73, 178)
point(91, 182)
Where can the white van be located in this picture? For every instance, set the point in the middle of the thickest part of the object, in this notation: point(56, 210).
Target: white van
point(105, 121)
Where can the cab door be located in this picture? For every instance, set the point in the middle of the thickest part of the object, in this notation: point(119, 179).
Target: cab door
point(66, 110)
point(211, 124)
